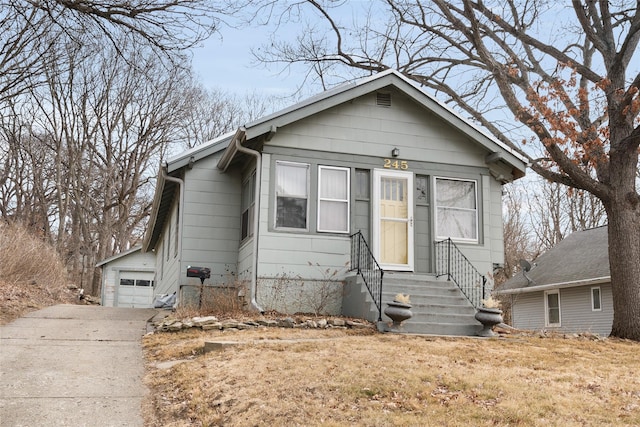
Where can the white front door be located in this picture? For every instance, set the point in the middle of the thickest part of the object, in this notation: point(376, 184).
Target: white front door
point(393, 219)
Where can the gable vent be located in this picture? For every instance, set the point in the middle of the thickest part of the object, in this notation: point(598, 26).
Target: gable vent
point(383, 99)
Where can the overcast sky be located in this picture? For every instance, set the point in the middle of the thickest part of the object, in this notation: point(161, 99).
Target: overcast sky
point(226, 63)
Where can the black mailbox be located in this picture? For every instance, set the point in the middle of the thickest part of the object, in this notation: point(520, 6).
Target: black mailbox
point(200, 272)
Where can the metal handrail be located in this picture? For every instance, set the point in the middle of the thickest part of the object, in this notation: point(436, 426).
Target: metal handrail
point(368, 268)
point(450, 261)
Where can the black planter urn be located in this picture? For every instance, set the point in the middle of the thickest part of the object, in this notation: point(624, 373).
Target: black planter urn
point(489, 317)
point(398, 312)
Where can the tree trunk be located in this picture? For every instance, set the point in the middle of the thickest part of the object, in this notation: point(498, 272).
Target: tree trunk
point(624, 262)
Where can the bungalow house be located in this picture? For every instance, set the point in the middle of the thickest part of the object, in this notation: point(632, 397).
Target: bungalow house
point(308, 206)
point(568, 288)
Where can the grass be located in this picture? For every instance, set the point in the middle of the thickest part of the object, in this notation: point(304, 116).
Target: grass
point(338, 377)
point(32, 276)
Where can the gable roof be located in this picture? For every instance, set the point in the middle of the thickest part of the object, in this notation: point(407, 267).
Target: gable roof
point(343, 93)
point(582, 258)
point(119, 255)
point(165, 188)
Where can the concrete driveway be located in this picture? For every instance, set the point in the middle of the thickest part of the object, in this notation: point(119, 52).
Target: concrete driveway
point(73, 365)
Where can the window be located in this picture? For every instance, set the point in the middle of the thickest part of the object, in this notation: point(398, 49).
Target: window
point(177, 235)
point(552, 308)
point(422, 190)
point(168, 240)
point(333, 199)
point(596, 299)
point(456, 209)
point(362, 184)
point(248, 206)
point(138, 282)
point(292, 189)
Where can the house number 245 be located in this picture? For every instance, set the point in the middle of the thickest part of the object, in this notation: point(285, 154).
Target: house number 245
point(396, 164)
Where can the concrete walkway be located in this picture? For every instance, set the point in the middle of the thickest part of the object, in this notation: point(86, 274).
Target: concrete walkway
point(73, 365)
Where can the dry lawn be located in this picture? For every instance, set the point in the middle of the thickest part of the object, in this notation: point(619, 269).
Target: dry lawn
point(290, 377)
point(32, 276)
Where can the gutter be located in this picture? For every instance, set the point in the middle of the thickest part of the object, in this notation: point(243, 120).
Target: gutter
point(560, 285)
point(180, 183)
point(234, 147)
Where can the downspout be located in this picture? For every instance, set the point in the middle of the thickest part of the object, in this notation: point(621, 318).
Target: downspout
point(256, 221)
point(180, 183)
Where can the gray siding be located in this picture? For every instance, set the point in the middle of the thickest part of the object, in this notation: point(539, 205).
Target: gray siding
point(368, 128)
point(166, 259)
point(211, 229)
point(575, 311)
point(423, 242)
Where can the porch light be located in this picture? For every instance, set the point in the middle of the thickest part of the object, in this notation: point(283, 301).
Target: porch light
point(395, 152)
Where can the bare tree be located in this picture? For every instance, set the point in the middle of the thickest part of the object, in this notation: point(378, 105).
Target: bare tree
point(555, 211)
point(33, 30)
point(568, 74)
point(215, 112)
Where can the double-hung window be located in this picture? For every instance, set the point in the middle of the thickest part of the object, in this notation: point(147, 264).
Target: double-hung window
point(333, 199)
point(456, 209)
point(292, 195)
point(552, 308)
point(248, 206)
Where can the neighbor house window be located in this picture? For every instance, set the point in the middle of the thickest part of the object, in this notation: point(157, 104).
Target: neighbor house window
point(596, 299)
point(248, 206)
point(333, 199)
point(552, 308)
point(456, 209)
point(292, 195)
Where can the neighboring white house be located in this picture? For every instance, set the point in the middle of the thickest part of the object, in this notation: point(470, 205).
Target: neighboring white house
point(274, 204)
point(568, 289)
point(128, 279)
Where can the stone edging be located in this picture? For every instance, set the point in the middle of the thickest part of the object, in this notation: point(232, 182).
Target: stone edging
point(170, 324)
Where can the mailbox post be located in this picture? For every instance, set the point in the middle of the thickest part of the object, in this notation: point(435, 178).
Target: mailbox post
point(202, 273)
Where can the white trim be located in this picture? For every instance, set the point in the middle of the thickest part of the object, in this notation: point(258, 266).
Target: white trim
point(559, 285)
point(546, 309)
point(375, 200)
point(347, 200)
point(435, 210)
point(593, 307)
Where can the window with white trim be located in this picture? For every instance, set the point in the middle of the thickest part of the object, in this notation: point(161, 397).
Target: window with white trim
point(292, 195)
point(248, 206)
point(596, 299)
point(333, 199)
point(552, 308)
point(456, 209)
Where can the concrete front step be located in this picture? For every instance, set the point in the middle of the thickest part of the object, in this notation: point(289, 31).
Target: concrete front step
point(438, 306)
point(427, 299)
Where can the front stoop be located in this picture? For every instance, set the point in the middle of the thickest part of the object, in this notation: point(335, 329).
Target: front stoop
point(438, 306)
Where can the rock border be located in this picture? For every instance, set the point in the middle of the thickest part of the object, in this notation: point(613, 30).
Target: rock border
point(170, 324)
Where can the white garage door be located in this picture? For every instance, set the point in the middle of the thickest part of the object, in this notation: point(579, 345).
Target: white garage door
point(135, 289)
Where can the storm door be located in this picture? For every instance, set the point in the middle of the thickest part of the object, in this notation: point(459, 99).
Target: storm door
point(393, 219)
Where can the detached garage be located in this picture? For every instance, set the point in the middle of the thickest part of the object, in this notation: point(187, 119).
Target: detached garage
point(128, 279)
